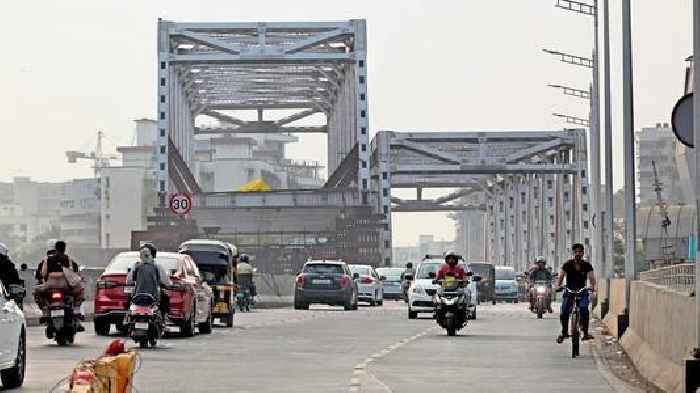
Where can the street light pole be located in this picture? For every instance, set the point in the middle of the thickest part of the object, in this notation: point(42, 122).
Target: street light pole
point(597, 243)
point(696, 131)
point(609, 216)
point(629, 159)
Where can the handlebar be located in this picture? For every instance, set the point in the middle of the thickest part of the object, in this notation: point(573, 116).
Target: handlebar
point(578, 292)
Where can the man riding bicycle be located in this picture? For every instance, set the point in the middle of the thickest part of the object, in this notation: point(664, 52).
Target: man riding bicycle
point(576, 271)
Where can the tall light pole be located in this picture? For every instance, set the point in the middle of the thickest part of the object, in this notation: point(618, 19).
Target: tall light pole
point(696, 131)
point(594, 122)
point(628, 129)
point(609, 213)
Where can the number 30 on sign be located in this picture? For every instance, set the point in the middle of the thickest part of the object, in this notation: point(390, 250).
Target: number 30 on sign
point(180, 203)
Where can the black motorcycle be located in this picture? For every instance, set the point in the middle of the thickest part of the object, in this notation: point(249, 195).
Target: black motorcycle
point(451, 303)
point(144, 321)
point(61, 322)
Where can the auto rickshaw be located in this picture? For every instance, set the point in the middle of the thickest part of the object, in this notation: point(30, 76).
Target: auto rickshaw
point(487, 285)
point(216, 261)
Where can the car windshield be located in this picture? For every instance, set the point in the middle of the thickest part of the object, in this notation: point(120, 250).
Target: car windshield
point(505, 274)
point(481, 269)
point(391, 273)
point(215, 274)
point(208, 257)
point(361, 270)
point(121, 264)
point(324, 268)
point(425, 269)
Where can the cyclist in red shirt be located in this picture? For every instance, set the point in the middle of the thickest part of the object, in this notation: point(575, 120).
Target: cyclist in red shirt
point(451, 266)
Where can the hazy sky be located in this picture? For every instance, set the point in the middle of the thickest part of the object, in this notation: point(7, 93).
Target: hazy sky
point(72, 67)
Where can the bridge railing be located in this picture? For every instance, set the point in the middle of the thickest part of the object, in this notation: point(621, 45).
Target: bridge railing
point(680, 277)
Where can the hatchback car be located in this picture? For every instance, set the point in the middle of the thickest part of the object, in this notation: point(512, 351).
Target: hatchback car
point(391, 286)
point(369, 284)
point(326, 282)
point(13, 329)
point(190, 298)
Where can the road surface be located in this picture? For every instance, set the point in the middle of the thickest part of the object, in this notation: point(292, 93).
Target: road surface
point(327, 349)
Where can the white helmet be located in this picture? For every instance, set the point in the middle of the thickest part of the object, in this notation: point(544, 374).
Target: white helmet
point(540, 259)
point(3, 249)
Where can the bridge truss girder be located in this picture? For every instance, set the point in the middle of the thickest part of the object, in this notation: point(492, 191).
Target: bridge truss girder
point(508, 169)
point(213, 68)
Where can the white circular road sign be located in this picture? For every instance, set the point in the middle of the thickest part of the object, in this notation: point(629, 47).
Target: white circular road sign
point(180, 204)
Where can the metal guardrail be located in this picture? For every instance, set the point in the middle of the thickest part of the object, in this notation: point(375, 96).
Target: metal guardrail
point(680, 277)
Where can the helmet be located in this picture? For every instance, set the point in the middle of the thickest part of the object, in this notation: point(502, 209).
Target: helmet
point(244, 258)
point(451, 254)
point(3, 249)
point(540, 259)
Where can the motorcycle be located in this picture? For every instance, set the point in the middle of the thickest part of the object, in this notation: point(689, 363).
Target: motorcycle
point(62, 322)
point(144, 321)
point(542, 294)
point(451, 303)
point(244, 299)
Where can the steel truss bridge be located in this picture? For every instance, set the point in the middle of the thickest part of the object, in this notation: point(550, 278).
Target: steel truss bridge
point(529, 183)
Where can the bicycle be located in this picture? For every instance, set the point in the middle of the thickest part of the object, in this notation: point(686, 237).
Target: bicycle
point(574, 318)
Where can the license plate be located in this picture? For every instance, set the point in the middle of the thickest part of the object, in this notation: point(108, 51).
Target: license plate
point(217, 320)
point(128, 290)
point(321, 282)
point(141, 325)
point(57, 313)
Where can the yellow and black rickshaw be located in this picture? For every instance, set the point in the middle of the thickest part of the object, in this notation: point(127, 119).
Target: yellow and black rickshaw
point(216, 262)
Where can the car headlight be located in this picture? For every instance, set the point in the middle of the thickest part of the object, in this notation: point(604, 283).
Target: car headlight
point(418, 290)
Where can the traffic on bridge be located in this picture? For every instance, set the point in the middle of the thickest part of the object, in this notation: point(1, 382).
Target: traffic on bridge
point(255, 232)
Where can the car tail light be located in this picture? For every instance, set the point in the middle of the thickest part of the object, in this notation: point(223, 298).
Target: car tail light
point(102, 284)
point(57, 296)
point(344, 281)
point(300, 280)
point(366, 280)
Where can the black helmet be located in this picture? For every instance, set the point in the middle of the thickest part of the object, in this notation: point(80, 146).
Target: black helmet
point(244, 258)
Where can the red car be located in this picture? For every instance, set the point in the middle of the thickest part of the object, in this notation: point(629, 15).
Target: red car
point(190, 297)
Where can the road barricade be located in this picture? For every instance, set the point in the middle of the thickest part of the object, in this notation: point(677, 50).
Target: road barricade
point(111, 373)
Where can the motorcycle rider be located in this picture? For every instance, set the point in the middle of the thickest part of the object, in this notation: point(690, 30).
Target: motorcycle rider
point(540, 273)
point(53, 276)
point(147, 277)
point(8, 272)
point(244, 273)
point(451, 266)
point(576, 271)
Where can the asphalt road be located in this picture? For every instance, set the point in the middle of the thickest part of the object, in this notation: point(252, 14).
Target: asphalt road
point(327, 349)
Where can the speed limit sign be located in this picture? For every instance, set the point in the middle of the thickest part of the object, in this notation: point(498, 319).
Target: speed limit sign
point(180, 203)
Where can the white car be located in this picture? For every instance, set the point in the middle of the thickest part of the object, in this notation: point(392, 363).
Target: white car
point(418, 299)
point(369, 284)
point(13, 329)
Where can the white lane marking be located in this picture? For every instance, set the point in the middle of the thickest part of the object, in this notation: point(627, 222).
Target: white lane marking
point(362, 369)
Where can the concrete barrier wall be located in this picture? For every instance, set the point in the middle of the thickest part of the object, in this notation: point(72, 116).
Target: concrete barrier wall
point(661, 333)
point(617, 303)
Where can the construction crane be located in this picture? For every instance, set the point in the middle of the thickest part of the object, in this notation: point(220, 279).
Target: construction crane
point(667, 249)
point(99, 158)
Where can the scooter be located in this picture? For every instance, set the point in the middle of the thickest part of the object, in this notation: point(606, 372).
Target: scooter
point(451, 303)
point(62, 322)
point(144, 321)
